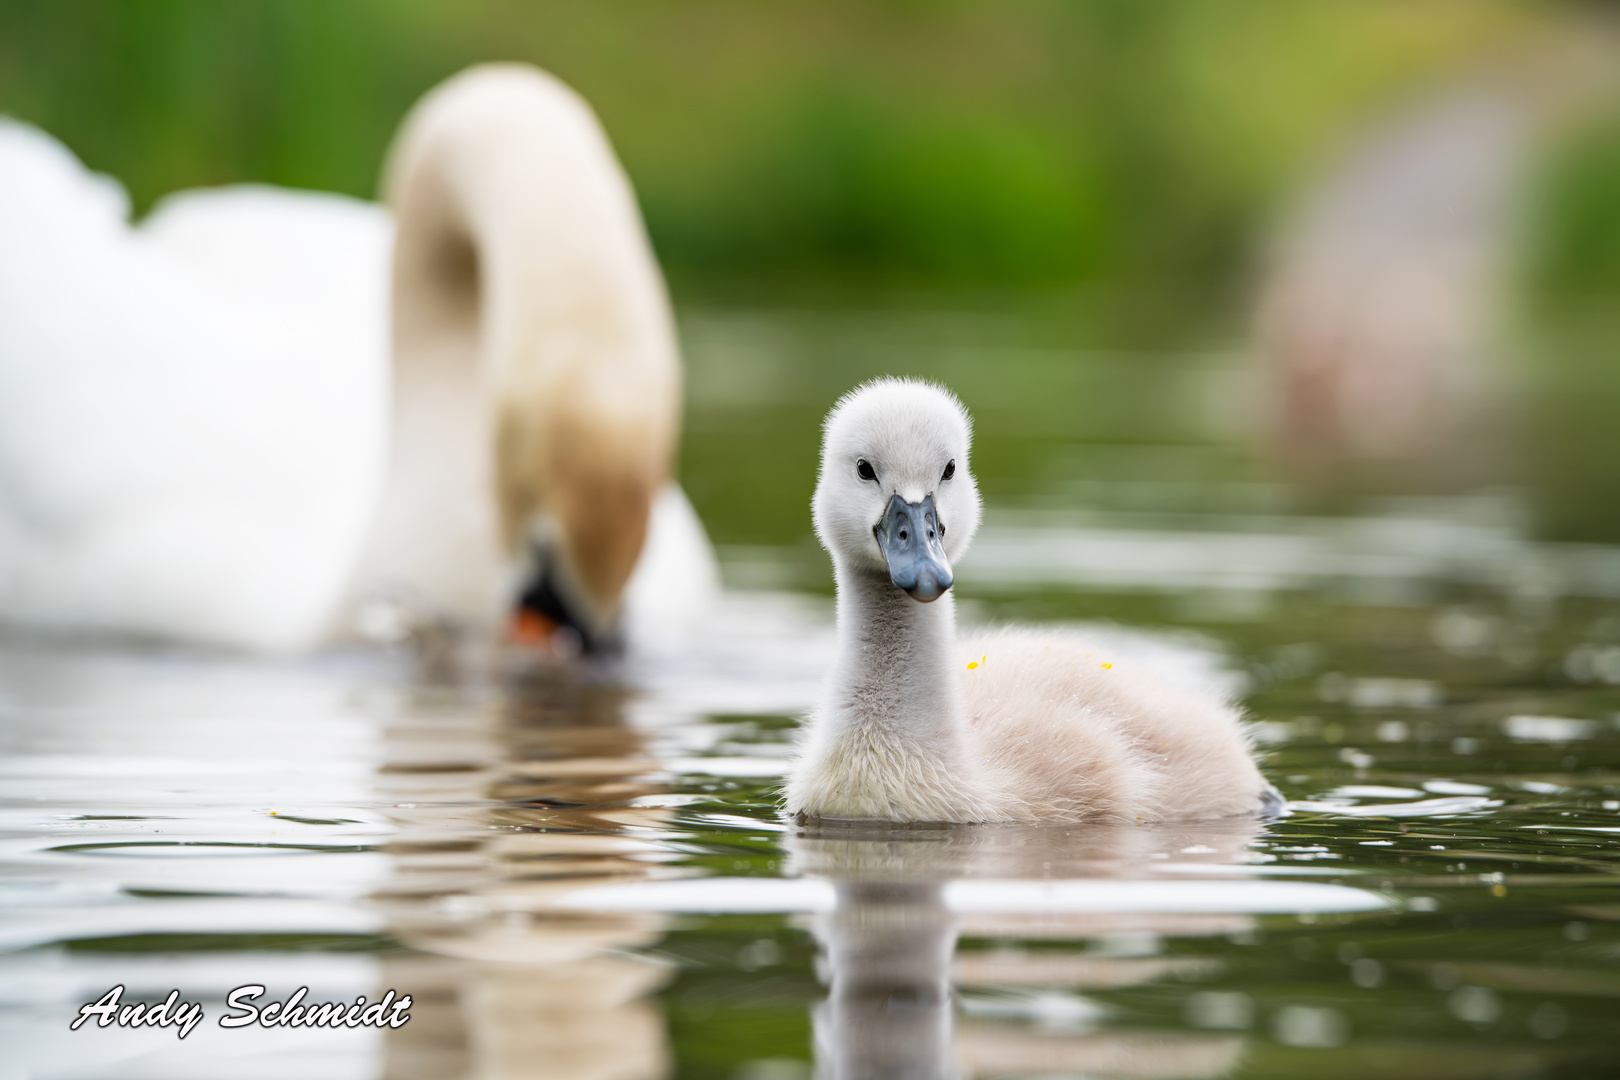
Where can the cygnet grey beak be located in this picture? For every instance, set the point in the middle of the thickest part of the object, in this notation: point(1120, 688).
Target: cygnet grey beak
point(912, 541)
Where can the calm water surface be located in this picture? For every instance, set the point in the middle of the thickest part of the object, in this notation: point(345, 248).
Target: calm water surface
point(581, 873)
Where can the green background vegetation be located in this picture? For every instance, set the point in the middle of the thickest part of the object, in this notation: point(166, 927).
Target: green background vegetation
point(1097, 175)
point(838, 148)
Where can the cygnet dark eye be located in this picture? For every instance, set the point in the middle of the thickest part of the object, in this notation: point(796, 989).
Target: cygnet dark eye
point(863, 468)
point(950, 469)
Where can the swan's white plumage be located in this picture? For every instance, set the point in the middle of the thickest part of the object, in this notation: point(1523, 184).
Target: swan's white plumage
point(195, 412)
point(676, 583)
point(162, 418)
point(1047, 725)
point(531, 321)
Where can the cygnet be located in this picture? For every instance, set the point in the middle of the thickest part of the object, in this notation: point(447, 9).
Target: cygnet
point(1011, 724)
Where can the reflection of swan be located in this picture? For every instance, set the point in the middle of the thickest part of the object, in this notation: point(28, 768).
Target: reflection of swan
point(194, 431)
point(889, 946)
point(507, 986)
point(1023, 725)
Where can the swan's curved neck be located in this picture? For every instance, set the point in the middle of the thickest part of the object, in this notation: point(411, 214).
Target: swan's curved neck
point(895, 680)
point(536, 379)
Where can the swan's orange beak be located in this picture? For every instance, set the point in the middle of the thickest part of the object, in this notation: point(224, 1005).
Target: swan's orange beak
point(531, 628)
point(543, 617)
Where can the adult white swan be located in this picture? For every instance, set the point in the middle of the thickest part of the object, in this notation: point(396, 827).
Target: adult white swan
point(202, 436)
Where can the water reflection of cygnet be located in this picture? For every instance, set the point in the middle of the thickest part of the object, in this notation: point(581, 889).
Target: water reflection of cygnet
point(506, 986)
point(893, 966)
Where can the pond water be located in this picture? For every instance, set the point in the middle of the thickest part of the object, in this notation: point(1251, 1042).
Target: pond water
point(581, 873)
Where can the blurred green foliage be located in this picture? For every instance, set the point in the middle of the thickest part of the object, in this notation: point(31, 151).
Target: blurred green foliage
point(1572, 283)
point(1576, 236)
point(837, 147)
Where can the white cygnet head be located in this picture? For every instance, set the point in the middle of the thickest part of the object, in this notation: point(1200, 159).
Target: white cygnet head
point(895, 494)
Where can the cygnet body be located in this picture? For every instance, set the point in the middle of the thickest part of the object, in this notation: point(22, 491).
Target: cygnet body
point(1013, 724)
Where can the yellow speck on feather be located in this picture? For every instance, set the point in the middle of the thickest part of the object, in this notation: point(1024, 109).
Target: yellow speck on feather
point(1108, 665)
point(977, 663)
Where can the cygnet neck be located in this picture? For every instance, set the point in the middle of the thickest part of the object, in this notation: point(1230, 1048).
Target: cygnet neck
point(895, 679)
